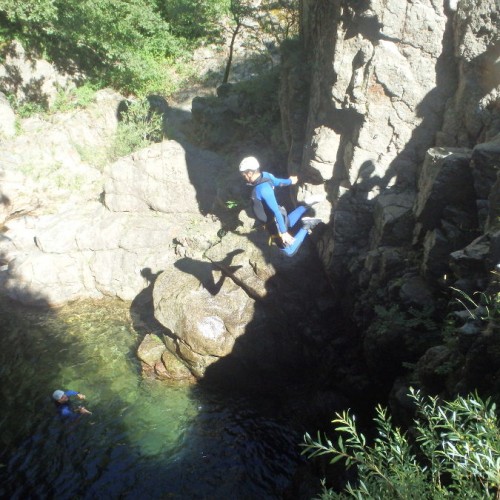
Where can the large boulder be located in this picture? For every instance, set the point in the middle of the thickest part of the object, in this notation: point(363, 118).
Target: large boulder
point(165, 177)
point(234, 304)
point(205, 310)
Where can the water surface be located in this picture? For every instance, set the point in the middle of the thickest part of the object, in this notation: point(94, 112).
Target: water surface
point(145, 438)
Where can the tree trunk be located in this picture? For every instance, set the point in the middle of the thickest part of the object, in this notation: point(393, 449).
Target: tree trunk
point(231, 49)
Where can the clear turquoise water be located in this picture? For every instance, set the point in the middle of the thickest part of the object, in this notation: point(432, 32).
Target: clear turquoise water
point(145, 438)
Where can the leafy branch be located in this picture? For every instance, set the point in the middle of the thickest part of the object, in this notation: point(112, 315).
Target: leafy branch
point(457, 444)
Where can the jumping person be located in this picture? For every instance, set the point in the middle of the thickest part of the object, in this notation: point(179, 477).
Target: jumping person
point(64, 404)
point(266, 208)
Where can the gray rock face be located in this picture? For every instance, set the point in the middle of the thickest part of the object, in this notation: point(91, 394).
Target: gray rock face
point(7, 118)
point(471, 115)
point(30, 78)
point(393, 219)
point(393, 80)
point(166, 178)
point(89, 252)
point(45, 168)
point(446, 180)
point(485, 163)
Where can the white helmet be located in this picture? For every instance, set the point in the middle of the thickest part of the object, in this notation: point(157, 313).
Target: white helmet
point(249, 163)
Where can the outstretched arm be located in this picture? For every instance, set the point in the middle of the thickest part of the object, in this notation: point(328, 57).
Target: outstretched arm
point(278, 182)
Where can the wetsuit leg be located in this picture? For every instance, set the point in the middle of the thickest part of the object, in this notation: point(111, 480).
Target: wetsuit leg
point(295, 215)
point(298, 240)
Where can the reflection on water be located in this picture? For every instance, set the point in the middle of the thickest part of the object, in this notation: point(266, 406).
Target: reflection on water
point(145, 439)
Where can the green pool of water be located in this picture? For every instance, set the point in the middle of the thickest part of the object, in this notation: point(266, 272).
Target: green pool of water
point(144, 439)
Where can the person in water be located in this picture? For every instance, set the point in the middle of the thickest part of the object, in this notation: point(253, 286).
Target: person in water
point(280, 225)
point(65, 407)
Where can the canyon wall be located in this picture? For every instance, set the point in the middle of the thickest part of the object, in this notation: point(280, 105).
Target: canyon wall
point(402, 138)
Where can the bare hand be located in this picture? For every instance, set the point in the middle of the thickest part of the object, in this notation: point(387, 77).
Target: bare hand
point(84, 410)
point(80, 396)
point(294, 179)
point(287, 239)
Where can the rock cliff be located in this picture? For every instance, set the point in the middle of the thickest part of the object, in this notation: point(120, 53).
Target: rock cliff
point(402, 136)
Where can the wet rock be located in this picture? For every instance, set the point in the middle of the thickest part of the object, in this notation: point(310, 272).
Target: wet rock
point(150, 350)
point(172, 368)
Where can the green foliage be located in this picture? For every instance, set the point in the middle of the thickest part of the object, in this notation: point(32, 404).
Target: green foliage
point(485, 308)
point(138, 128)
point(17, 17)
point(279, 18)
point(273, 19)
point(233, 204)
point(74, 98)
point(67, 99)
point(26, 109)
point(124, 43)
point(455, 452)
point(196, 18)
point(394, 317)
point(133, 44)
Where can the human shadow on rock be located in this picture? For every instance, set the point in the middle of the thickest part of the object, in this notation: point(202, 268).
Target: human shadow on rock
point(203, 271)
point(142, 307)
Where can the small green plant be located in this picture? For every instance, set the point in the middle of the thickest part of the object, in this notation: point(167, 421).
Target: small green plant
point(27, 109)
point(454, 453)
point(139, 127)
point(74, 97)
point(485, 308)
point(232, 204)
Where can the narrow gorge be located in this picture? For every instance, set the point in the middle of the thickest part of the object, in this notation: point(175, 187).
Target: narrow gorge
point(389, 111)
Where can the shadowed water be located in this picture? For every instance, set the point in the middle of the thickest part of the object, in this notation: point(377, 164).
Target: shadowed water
point(145, 438)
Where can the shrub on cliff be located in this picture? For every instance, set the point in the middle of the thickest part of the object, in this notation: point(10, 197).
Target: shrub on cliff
point(453, 451)
point(139, 126)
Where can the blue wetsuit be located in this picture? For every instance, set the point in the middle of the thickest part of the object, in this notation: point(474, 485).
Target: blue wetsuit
point(265, 193)
point(65, 409)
